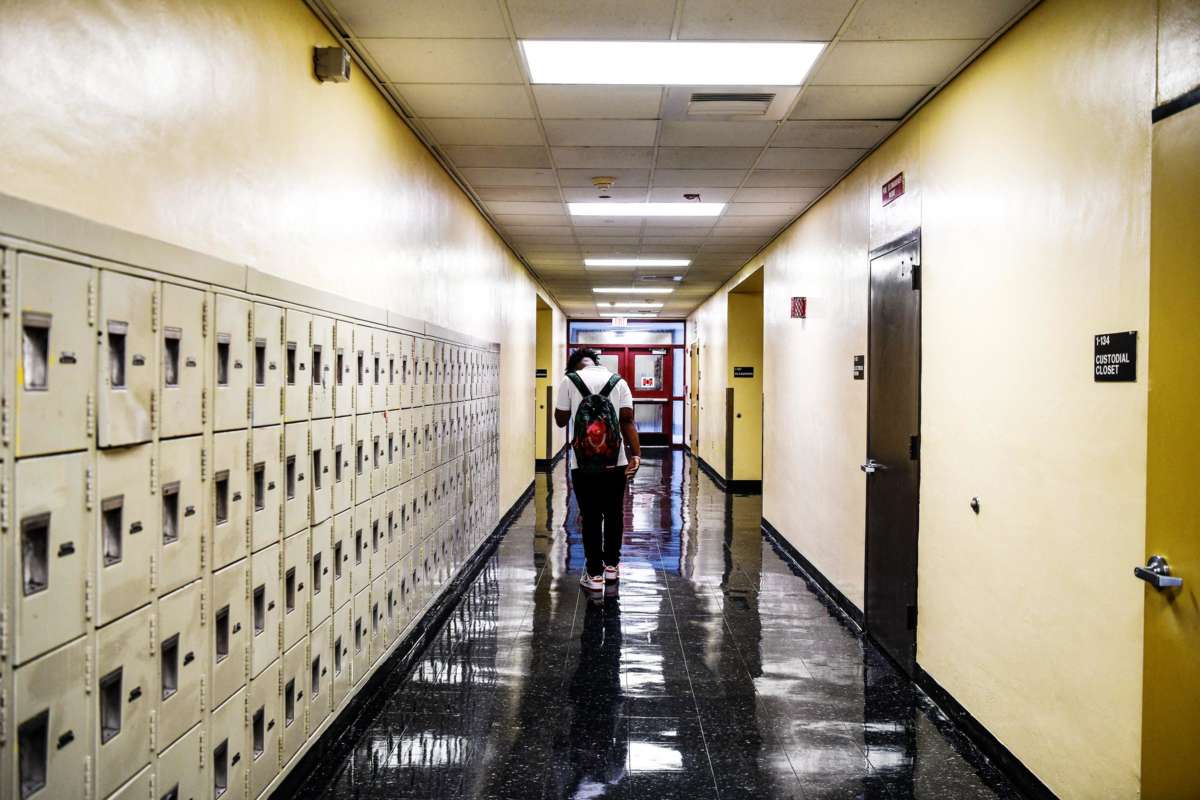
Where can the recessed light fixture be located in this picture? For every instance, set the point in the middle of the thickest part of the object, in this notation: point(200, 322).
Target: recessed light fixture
point(645, 209)
point(636, 262)
point(635, 304)
point(635, 314)
point(628, 290)
point(671, 63)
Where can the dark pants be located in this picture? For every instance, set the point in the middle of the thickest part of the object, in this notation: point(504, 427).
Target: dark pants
point(601, 498)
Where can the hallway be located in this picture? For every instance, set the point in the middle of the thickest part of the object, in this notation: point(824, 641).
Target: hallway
point(714, 672)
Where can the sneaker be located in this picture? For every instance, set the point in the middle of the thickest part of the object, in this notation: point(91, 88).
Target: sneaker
point(591, 582)
point(612, 574)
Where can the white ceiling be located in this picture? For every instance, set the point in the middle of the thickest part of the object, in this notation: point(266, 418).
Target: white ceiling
point(524, 151)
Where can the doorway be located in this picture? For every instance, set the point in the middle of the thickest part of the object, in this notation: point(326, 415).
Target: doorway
point(893, 448)
point(543, 393)
point(648, 371)
point(694, 399)
point(744, 385)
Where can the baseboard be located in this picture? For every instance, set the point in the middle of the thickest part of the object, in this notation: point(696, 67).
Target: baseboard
point(337, 740)
point(547, 464)
point(788, 552)
point(727, 486)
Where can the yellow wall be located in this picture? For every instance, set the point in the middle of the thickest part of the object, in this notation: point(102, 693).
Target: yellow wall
point(745, 340)
point(1029, 175)
point(551, 356)
point(201, 124)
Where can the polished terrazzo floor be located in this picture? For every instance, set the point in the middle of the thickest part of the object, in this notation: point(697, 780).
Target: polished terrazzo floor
point(713, 672)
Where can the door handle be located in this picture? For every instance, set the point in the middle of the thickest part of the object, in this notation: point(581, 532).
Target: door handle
point(871, 466)
point(1157, 573)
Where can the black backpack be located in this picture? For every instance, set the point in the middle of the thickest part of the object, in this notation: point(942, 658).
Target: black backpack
point(597, 438)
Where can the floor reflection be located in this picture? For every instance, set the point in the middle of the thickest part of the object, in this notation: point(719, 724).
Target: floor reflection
point(712, 672)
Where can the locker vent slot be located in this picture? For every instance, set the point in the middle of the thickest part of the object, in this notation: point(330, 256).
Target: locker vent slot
point(221, 768)
point(260, 486)
point(316, 467)
point(221, 497)
point(289, 590)
point(110, 705)
point(316, 677)
point(358, 458)
point(337, 656)
point(260, 362)
point(390, 605)
point(337, 561)
point(375, 452)
point(337, 464)
point(111, 513)
point(375, 536)
point(391, 370)
point(339, 367)
point(378, 370)
point(362, 368)
point(316, 573)
point(290, 477)
point(33, 748)
point(289, 703)
point(316, 365)
point(260, 731)
point(169, 657)
point(358, 635)
point(291, 363)
point(36, 350)
point(221, 633)
point(260, 609)
point(116, 353)
point(358, 546)
point(391, 526)
point(170, 503)
point(375, 617)
point(35, 554)
point(171, 337)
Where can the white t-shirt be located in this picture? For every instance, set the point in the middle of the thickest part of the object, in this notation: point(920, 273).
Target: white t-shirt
point(569, 399)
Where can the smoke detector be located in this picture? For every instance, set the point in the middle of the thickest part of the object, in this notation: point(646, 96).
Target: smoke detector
point(604, 184)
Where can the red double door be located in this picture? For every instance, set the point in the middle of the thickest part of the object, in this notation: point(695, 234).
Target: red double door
point(649, 373)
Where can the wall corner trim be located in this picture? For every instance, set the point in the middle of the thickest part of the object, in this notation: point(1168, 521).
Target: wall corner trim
point(727, 486)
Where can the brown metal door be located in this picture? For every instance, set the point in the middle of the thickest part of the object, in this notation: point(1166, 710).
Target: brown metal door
point(893, 450)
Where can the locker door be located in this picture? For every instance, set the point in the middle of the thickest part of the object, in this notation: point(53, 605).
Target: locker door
point(227, 732)
point(128, 374)
point(183, 369)
point(408, 371)
point(128, 531)
point(378, 633)
point(342, 641)
point(360, 569)
point(320, 683)
point(362, 458)
point(342, 544)
point(231, 363)
point(183, 767)
point(394, 621)
point(230, 624)
point(264, 609)
point(182, 633)
point(321, 471)
point(124, 699)
point(360, 646)
point(297, 574)
point(395, 357)
point(229, 506)
point(393, 513)
point(378, 536)
point(266, 722)
point(51, 555)
point(57, 359)
point(52, 726)
point(378, 366)
point(392, 446)
point(363, 369)
point(297, 352)
point(404, 419)
point(268, 364)
point(379, 453)
point(296, 681)
point(320, 573)
point(297, 460)
point(344, 462)
point(423, 391)
point(343, 368)
point(182, 493)
point(405, 576)
point(321, 367)
point(266, 486)
point(137, 787)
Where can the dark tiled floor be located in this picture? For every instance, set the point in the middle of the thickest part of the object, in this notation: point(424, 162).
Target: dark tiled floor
point(714, 672)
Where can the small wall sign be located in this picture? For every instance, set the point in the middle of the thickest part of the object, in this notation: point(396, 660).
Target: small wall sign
point(1115, 357)
point(893, 189)
point(541, 373)
point(799, 308)
point(743, 372)
point(647, 382)
point(860, 367)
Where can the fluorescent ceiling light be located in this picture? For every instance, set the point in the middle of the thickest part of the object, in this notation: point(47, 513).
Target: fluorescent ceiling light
point(636, 262)
point(633, 315)
point(627, 290)
point(634, 304)
point(671, 63)
point(645, 209)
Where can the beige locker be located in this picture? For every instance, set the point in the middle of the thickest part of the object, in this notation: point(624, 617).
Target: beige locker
point(395, 607)
point(378, 641)
point(265, 609)
point(230, 629)
point(266, 725)
point(229, 507)
point(343, 368)
point(342, 657)
point(50, 557)
point(297, 350)
point(344, 463)
point(320, 685)
point(295, 681)
point(408, 513)
point(57, 366)
point(362, 458)
point(51, 725)
point(182, 634)
point(320, 575)
point(406, 445)
point(184, 345)
point(422, 392)
point(408, 371)
point(228, 734)
point(183, 768)
point(404, 594)
point(378, 369)
point(393, 513)
point(127, 531)
point(297, 459)
point(231, 367)
point(361, 644)
point(322, 469)
point(138, 787)
point(378, 553)
point(342, 543)
point(268, 360)
point(363, 373)
point(128, 375)
point(321, 369)
point(379, 453)
point(124, 700)
point(395, 357)
point(266, 486)
point(392, 423)
point(360, 569)
point(182, 490)
point(296, 576)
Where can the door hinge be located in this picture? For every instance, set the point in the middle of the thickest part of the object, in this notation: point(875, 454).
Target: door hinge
point(201, 737)
point(3, 644)
point(203, 559)
point(89, 489)
point(914, 447)
point(912, 618)
point(153, 730)
point(916, 277)
point(90, 414)
point(3, 503)
point(153, 576)
point(250, 324)
point(249, 452)
point(204, 318)
point(4, 421)
point(153, 476)
point(203, 692)
point(203, 594)
point(154, 302)
point(5, 285)
point(153, 629)
point(91, 302)
point(203, 464)
point(87, 598)
point(87, 777)
point(282, 399)
point(87, 671)
point(203, 406)
point(250, 404)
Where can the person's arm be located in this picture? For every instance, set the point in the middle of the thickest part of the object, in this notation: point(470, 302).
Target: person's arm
point(562, 406)
point(630, 435)
point(562, 417)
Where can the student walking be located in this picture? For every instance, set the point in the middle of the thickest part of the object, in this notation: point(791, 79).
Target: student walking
point(599, 406)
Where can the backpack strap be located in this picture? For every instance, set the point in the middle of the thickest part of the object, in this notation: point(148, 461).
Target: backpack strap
point(584, 391)
point(613, 380)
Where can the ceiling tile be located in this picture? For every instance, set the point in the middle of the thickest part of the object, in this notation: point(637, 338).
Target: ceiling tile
point(763, 209)
point(598, 102)
point(819, 133)
point(603, 157)
point(707, 157)
point(525, 238)
point(591, 242)
point(539, 230)
point(674, 241)
point(466, 100)
point(592, 19)
point(601, 132)
point(660, 226)
point(893, 63)
point(625, 178)
point(518, 194)
point(802, 178)
point(505, 216)
point(614, 229)
point(763, 20)
point(503, 176)
point(931, 19)
point(484, 131)
point(588, 194)
point(756, 223)
point(699, 177)
point(708, 194)
point(504, 209)
point(715, 134)
point(619, 223)
point(445, 60)
point(809, 158)
point(474, 156)
point(795, 195)
point(858, 102)
point(444, 19)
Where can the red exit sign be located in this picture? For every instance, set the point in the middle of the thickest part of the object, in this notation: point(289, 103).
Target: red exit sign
point(893, 189)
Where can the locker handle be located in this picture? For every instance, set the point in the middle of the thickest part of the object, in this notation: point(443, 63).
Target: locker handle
point(66, 357)
point(270, 605)
point(66, 549)
point(300, 477)
point(270, 365)
point(237, 626)
point(236, 757)
point(135, 693)
point(237, 364)
point(270, 486)
point(189, 658)
point(65, 740)
point(325, 571)
point(325, 469)
point(300, 586)
point(189, 362)
point(324, 670)
point(271, 725)
point(139, 360)
point(189, 511)
point(237, 496)
point(300, 695)
point(135, 527)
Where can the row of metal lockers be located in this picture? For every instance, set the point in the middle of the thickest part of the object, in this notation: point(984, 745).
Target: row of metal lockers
point(220, 514)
